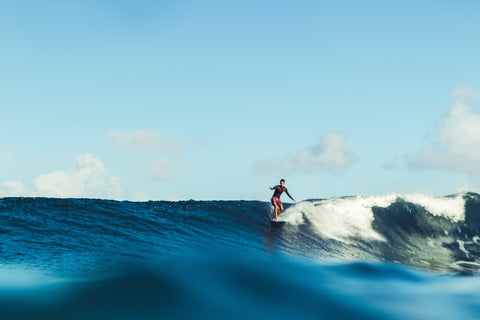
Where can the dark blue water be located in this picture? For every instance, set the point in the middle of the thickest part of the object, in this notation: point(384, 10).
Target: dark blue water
point(392, 256)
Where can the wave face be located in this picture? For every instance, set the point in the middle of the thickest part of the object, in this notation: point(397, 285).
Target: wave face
point(210, 259)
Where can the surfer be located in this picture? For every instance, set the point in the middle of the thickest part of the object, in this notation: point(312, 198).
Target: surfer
point(277, 203)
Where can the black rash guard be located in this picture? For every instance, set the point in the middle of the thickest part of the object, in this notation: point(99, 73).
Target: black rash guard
point(279, 190)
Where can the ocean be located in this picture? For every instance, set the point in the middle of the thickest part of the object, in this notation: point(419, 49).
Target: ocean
point(359, 257)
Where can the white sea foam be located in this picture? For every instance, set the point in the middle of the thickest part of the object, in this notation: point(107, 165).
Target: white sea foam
point(351, 217)
point(461, 246)
point(448, 207)
point(340, 218)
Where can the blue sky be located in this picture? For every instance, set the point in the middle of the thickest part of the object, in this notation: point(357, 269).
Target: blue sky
point(172, 100)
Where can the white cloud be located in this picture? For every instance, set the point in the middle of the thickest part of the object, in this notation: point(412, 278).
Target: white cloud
point(457, 147)
point(141, 141)
point(329, 153)
point(148, 145)
point(159, 170)
point(87, 179)
point(13, 188)
point(464, 94)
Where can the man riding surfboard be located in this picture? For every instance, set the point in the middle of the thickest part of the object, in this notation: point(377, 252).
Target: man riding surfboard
point(276, 202)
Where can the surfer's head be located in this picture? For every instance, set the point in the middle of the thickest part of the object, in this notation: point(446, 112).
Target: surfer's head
point(282, 182)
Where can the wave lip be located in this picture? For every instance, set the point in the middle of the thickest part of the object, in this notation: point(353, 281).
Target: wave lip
point(340, 218)
point(351, 217)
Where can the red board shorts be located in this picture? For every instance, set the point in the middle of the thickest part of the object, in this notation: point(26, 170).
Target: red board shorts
point(276, 201)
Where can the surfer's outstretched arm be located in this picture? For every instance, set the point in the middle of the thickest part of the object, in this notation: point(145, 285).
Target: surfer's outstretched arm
point(288, 194)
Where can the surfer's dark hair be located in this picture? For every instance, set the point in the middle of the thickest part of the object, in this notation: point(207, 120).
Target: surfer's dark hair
point(282, 180)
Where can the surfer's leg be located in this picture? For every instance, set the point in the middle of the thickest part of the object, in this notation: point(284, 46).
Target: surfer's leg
point(281, 208)
point(276, 212)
